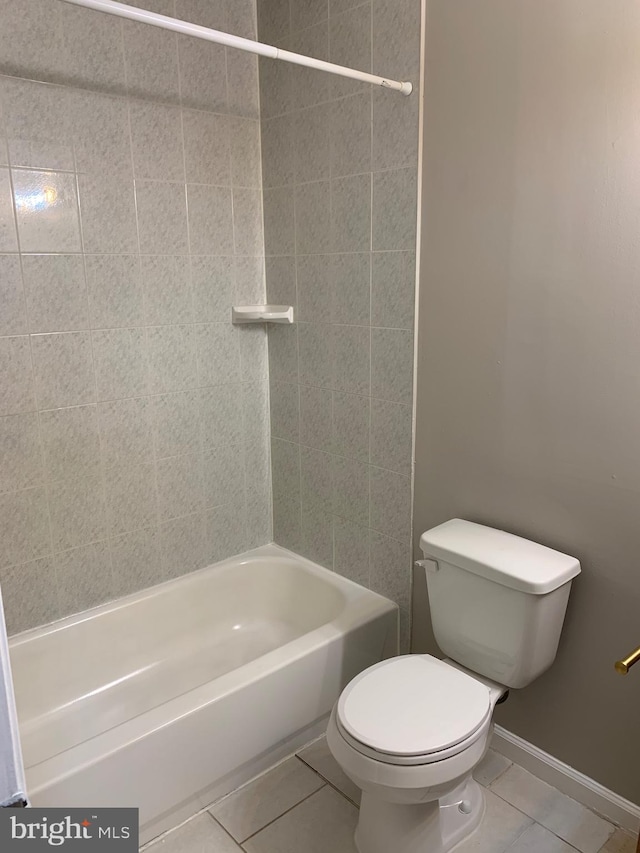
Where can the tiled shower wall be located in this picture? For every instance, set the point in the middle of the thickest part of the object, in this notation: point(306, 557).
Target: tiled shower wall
point(339, 171)
point(133, 416)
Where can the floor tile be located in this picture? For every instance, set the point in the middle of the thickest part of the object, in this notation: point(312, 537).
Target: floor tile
point(200, 835)
point(491, 766)
point(255, 805)
point(620, 842)
point(559, 813)
point(323, 823)
point(537, 839)
point(500, 827)
point(318, 756)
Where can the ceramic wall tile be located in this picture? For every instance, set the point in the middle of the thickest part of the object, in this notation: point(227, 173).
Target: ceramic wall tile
point(218, 354)
point(309, 85)
point(151, 62)
point(351, 551)
point(101, 134)
point(316, 536)
point(351, 490)
point(38, 24)
point(156, 139)
point(126, 436)
point(166, 287)
point(131, 498)
point(225, 532)
point(351, 423)
point(135, 561)
point(162, 218)
point(63, 369)
point(71, 442)
point(285, 410)
point(350, 122)
point(310, 131)
point(77, 510)
point(13, 320)
point(316, 418)
point(39, 124)
point(246, 165)
point(24, 524)
point(210, 220)
point(351, 214)
point(179, 486)
point(207, 150)
point(248, 236)
point(350, 43)
point(313, 218)
point(203, 80)
point(56, 293)
point(108, 214)
point(93, 48)
point(393, 289)
point(8, 236)
point(176, 423)
point(392, 365)
point(115, 291)
point(20, 452)
point(84, 577)
point(274, 21)
point(391, 428)
point(121, 363)
point(172, 358)
point(46, 205)
point(394, 210)
point(16, 376)
point(213, 286)
point(27, 594)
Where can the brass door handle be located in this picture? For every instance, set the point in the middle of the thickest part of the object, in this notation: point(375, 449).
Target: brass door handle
point(623, 666)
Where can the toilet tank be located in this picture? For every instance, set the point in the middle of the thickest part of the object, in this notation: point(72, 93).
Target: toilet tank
point(497, 601)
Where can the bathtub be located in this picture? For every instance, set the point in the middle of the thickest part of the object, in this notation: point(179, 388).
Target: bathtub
point(170, 698)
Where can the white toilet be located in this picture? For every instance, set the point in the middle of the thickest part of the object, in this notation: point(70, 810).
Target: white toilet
point(410, 730)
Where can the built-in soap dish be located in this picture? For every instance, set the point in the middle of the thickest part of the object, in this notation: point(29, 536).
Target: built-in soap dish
point(262, 314)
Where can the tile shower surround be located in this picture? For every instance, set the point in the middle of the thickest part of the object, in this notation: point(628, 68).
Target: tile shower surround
point(339, 166)
point(133, 416)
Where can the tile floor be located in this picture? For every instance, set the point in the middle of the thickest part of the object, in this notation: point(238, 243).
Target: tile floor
point(307, 805)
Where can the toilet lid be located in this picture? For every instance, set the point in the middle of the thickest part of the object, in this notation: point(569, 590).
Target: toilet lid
point(413, 705)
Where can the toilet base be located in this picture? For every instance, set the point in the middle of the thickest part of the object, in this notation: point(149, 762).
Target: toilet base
point(431, 827)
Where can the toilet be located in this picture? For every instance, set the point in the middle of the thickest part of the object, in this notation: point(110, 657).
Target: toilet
point(410, 730)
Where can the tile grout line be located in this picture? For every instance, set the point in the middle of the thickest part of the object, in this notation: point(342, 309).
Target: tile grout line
point(290, 809)
point(328, 782)
point(535, 822)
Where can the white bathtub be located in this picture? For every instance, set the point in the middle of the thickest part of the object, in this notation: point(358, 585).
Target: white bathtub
point(172, 697)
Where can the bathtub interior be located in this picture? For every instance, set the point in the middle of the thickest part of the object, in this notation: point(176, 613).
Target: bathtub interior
point(87, 674)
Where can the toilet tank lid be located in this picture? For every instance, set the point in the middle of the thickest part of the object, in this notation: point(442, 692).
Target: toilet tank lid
point(498, 556)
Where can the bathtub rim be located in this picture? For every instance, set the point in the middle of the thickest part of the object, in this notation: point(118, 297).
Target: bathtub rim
point(270, 550)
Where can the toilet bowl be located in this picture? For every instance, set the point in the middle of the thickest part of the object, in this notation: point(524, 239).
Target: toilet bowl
point(409, 731)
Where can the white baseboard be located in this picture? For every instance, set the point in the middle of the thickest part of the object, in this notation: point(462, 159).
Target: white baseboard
point(572, 783)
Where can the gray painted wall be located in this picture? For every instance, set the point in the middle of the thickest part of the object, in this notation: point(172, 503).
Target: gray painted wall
point(529, 364)
point(133, 416)
point(339, 165)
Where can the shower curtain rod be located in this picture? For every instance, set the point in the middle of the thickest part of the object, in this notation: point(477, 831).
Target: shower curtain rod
point(111, 7)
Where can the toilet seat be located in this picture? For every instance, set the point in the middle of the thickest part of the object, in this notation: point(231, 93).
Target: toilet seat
point(413, 760)
point(413, 709)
